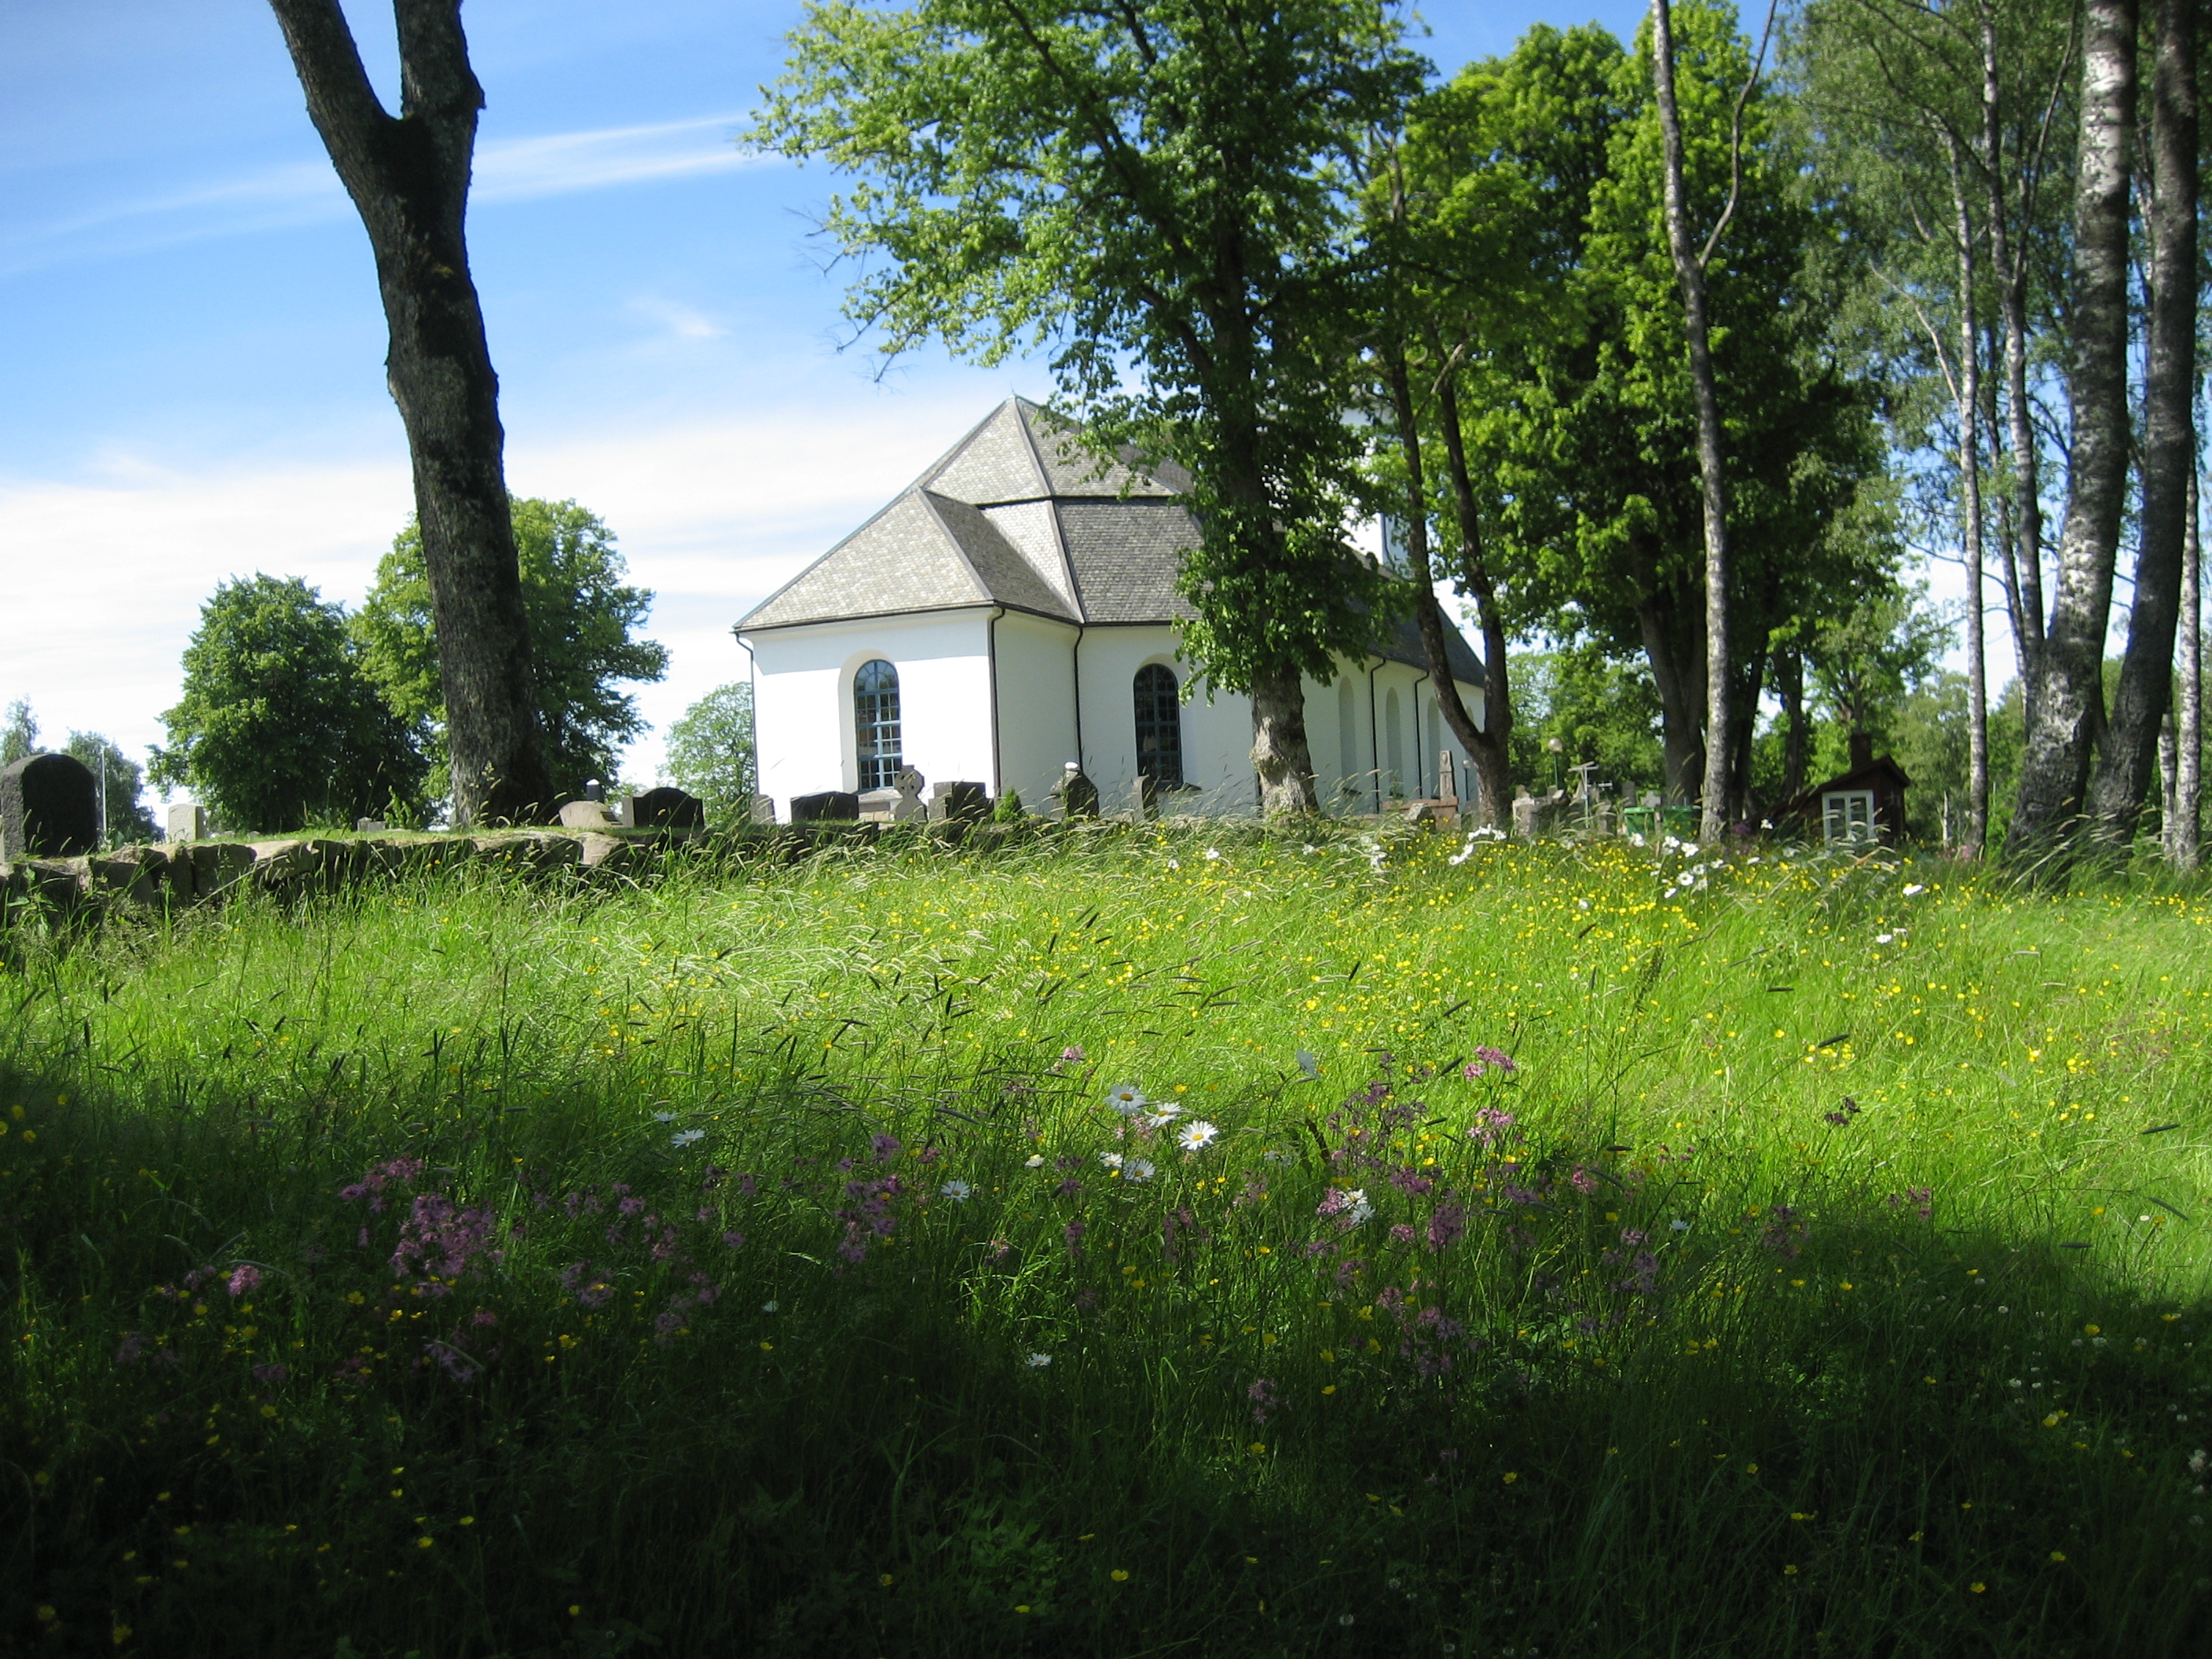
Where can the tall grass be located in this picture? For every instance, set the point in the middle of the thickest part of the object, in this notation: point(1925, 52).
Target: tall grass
point(1593, 1252)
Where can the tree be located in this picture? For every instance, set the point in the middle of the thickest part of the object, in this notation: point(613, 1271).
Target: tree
point(710, 752)
point(19, 738)
point(1155, 186)
point(279, 725)
point(409, 178)
point(1690, 273)
point(1582, 433)
point(2128, 753)
point(125, 818)
point(580, 613)
point(2064, 727)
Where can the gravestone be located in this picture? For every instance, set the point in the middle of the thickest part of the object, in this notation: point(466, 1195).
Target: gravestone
point(831, 805)
point(369, 826)
point(763, 809)
point(1077, 795)
point(667, 808)
point(1145, 797)
point(1524, 817)
point(187, 821)
point(587, 814)
point(1447, 776)
point(876, 805)
point(594, 790)
point(49, 808)
point(908, 808)
point(959, 802)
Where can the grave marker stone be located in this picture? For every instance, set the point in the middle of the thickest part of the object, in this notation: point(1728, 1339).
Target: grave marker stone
point(667, 808)
point(187, 821)
point(1077, 795)
point(49, 808)
point(830, 805)
point(958, 802)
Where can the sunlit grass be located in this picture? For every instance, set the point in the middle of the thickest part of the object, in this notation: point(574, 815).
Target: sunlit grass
point(756, 1259)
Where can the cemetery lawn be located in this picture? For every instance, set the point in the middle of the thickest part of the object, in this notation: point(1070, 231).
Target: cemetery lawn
point(1543, 1250)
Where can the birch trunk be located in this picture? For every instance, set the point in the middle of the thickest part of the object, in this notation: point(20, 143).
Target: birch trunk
point(1690, 276)
point(1969, 399)
point(1493, 770)
point(2069, 708)
point(2189, 763)
point(409, 178)
point(2129, 750)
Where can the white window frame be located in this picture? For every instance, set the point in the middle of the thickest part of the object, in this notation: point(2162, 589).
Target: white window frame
point(1847, 817)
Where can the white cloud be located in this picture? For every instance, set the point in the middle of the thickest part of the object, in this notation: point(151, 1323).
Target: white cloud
point(308, 193)
point(108, 573)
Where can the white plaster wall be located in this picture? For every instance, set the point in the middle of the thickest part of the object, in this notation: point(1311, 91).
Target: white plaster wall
point(803, 700)
point(1217, 737)
point(1036, 705)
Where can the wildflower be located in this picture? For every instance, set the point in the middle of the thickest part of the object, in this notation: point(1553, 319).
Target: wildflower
point(886, 1147)
point(683, 1138)
point(1278, 1156)
point(1489, 1127)
point(1487, 1059)
point(1348, 1205)
point(1035, 1161)
point(270, 1375)
point(1073, 1055)
point(1308, 1064)
point(1110, 1160)
point(242, 1280)
point(1196, 1135)
point(1072, 1233)
point(767, 1307)
point(664, 1117)
point(1884, 938)
point(1678, 1226)
point(1125, 1099)
point(1138, 1170)
point(1915, 890)
point(1213, 855)
point(734, 1240)
point(1120, 1575)
point(1037, 1362)
point(1344, 1619)
point(957, 1191)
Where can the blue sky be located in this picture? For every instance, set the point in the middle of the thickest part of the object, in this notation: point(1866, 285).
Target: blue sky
point(191, 350)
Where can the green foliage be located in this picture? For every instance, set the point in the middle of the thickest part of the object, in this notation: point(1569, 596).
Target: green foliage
point(1599, 708)
point(1008, 808)
point(1156, 187)
point(581, 618)
point(1791, 1298)
point(127, 819)
point(279, 725)
point(19, 738)
point(711, 754)
point(1863, 657)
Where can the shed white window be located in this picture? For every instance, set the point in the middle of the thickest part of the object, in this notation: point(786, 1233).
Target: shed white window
point(1848, 815)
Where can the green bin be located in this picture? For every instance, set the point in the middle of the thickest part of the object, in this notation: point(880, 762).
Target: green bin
point(1639, 821)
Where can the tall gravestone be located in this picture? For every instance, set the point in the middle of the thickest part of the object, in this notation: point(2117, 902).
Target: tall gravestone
point(667, 808)
point(49, 808)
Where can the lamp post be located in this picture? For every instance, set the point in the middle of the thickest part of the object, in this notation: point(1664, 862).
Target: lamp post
point(1559, 751)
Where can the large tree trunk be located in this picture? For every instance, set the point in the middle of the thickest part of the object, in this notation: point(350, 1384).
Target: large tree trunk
point(1690, 276)
point(2130, 751)
point(409, 178)
point(2188, 768)
point(1491, 755)
point(1789, 685)
point(1280, 754)
point(2023, 545)
point(1673, 650)
point(2069, 706)
point(1969, 404)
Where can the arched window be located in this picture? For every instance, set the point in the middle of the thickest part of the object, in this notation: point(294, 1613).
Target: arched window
point(875, 724)
point(1394, 743)
point(1160, 726)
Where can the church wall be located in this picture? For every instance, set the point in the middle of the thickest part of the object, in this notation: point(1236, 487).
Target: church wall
point(802, 690)
point(1217, 737)
point(1036, 704)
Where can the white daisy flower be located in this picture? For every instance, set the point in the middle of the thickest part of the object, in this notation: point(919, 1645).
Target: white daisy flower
point(1212, 854)
point(664, 1117)
point(1039, 1361)
point(1137, 1169)
point(685, 1137)
point(1110, 1160)
point(1196, 1135)
point(1126, 1097)
point(1915, 890)
point(957, 1191)
point(1162, 1113)
point(1036, 1161)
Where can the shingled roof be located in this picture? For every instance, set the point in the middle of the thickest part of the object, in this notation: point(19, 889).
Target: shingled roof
point(1021, 513)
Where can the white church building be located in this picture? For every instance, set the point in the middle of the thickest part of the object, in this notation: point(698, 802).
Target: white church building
point(1015, 609)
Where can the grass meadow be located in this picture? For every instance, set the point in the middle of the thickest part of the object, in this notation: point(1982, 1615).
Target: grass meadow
point(1145, 1241)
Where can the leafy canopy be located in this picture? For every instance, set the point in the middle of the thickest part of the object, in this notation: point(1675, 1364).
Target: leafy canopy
point(710, 752)
point(581, 617)
point(279, 725)
point(1156, 193)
